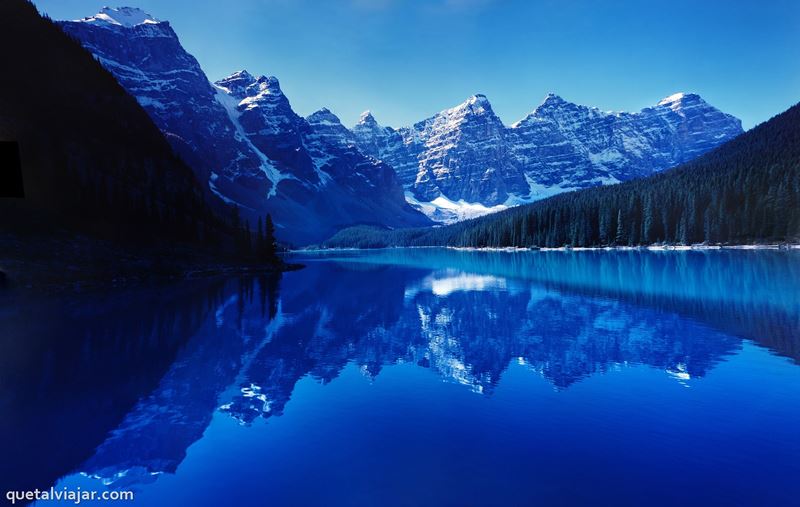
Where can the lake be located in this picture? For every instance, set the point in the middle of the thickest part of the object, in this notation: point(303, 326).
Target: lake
point(418, 377)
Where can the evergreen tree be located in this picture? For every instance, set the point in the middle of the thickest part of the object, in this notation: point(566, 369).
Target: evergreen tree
point(619, 239)
point(260, 243)
point(270, 255)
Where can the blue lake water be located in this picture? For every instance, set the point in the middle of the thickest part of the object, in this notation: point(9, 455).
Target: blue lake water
point(418, 377)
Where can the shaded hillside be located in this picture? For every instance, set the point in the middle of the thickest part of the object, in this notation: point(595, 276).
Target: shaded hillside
point(245, 143)
point(745, 191)
point(92, 160)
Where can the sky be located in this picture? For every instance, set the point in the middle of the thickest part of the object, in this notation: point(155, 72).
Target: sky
point(406, 60)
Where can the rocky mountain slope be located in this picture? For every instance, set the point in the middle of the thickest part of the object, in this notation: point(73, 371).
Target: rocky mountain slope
point(250, 148)
point(466, 154)
point(241, 136)
point(744, 192)
point(96, 171)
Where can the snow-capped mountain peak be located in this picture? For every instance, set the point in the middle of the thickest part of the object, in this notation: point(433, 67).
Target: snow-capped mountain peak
point(552, 99)
point(551, 103)
point(241, 77)
point(466, 153)
point(326, 127)
point(121, 16)
point(242, 137)
point(243, 85)
point(237, 83)
point(478, 98)
point(675, 98)
point(476, 104)
point(680, 102)
point(323, 117)
point(269, 84)
point(367, 118)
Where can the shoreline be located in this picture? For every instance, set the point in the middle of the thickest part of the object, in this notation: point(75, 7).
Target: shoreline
point(24, 276)
point(63, 262)
point(113, 268)
point(654, 248)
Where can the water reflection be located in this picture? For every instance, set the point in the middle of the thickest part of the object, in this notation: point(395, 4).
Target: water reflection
point(154, 435)
point(128, 382)
point(72, 367)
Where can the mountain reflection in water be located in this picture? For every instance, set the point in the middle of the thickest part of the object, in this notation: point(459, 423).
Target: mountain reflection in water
point(119, 385)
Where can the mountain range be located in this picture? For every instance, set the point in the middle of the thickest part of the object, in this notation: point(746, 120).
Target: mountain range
point(241, 136)
point(746, 191)
point(315, 176)
point(466, 154)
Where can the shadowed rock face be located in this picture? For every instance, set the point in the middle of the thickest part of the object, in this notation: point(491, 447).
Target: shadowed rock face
point(619, 146)
point(460, 153)
point(467, 153)
point(241, 136)
point(150, 63)
point(466, 156)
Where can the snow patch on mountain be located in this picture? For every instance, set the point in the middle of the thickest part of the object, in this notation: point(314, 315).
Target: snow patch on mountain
point(230, 104)
point(465, 154)
point(242, 138)
point(120, 16)
point(445, 211)
point(673, 101)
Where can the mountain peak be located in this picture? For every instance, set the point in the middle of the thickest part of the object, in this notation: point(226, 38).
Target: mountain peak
point(239, 83)
point(121, 16)
point(323, 117)
point(367, 118)
point(269, 84)
point(236, 84)
point(552, 100)
point(480, 99)
point(675, 97)
point(476, 104)
point(242, 74)
point(676, 100)
point(550, 104)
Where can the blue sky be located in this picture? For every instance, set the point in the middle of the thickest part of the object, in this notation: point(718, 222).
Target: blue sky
point(406, 60)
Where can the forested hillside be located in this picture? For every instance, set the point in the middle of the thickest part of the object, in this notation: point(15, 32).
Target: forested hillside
point(745, 191)
point(93, 163)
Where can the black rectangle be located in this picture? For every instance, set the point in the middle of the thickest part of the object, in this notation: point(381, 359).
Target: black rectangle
point(10, 170)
